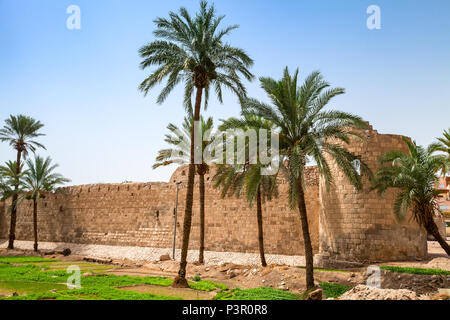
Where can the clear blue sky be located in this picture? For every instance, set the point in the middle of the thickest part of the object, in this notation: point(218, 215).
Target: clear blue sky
point(82, 84)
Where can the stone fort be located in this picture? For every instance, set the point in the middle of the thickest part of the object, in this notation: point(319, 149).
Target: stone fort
point(345, 224)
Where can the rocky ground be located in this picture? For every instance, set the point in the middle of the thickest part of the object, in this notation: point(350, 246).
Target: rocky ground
point(394, 286)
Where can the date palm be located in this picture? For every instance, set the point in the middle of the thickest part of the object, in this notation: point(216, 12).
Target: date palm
point(40, 179)
point(414, 175)
point(180, 140)
point(443, 145)
point(191, 50)
point(11, 182)
point(307, 131)
point(247, 178)
point(20, 132)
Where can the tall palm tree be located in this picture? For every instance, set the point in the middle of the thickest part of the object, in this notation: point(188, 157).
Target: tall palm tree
point(192, 50)
point(414, 174)
point(180, 154)
point(238, 178)
point(39, 180)
point(306, 131)
point(20, 132)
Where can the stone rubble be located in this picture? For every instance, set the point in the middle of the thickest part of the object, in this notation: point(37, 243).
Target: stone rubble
point(363, 292)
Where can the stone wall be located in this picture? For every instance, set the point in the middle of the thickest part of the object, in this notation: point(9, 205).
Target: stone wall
point(142, 214)
point(345, 224)
point(360, 225)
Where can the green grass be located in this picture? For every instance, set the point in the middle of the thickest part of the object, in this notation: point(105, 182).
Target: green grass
point(422, 271)
point(41, 279)
point(28, 287)
point(262, 293)
point(25, 259)
point(326, 270)
point(334, 290)
point(206, 285)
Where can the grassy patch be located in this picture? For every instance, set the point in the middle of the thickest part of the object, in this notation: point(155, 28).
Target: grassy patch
point(262, 293)
point(334, 290)
point(416, 270)
point(25, 287)
point(25, 259)
point(326, 270)
point(40, 280)
point(207, 285)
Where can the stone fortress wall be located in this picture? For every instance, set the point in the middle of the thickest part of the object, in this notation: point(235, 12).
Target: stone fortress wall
point(345, 224)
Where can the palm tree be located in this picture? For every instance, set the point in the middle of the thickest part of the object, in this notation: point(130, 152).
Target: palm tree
point(11, 182)
point(20, 132)
point(443, 145)
point(247, 177)
point(415, 175)
point(191, 50)
point(307, 131)
point(40, 179)
point(180, 154)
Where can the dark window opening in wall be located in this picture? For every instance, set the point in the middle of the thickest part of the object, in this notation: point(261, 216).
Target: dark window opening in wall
point(357, 165)
point(157, 214)
point(183, 173)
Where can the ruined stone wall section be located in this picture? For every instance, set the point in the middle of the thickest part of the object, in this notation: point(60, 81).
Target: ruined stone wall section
point(142, 214)
point(359, 225)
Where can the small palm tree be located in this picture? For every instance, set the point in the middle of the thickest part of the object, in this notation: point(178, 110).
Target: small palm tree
point(191, 50)
point(307, 131)
point(11, 182)
point(444, 142)
point(443, 145)
point(38, 180)
point(20, 132)
point(180, 153)
point(414, 174)
point(238, 178)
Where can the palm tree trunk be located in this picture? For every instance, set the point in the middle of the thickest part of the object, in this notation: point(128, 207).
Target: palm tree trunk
point(260, 227)
point(434, 231)
point(180, 281)
point(35, 225)
point(202, 219)
point(306, 237)
point(12, 225)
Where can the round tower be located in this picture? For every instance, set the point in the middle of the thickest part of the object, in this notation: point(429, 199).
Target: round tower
point(361, 226)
